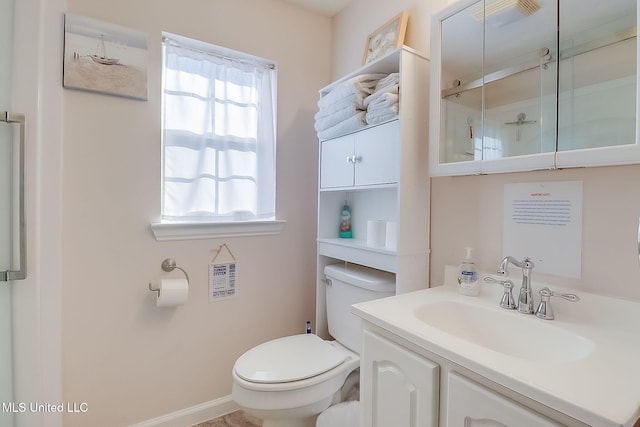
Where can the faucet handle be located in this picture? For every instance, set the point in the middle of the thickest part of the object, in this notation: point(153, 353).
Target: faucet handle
point(507, 300)
point(544, 310)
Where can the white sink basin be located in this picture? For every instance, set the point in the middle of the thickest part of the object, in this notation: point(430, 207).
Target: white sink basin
point(505, 331)
point(583, 364)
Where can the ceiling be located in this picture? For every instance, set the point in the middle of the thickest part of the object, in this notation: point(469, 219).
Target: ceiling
point(323, 7)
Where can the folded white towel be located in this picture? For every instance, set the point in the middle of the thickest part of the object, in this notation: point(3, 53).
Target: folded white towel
point(326, 119)
point(351, 124)
point(382, 115)
point(391, 79)
point(393, 88)
point(356, 99)
point(381, 99)
point(343, 104)
point(355, 89)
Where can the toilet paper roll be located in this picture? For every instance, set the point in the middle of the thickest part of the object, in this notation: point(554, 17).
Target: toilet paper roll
point(391, 241)
point(376, 232)
point(173, 292)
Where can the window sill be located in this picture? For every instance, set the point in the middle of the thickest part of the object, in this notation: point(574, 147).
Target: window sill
point(209, 230)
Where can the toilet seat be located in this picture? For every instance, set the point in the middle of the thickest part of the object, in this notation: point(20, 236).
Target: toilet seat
point(271, 362)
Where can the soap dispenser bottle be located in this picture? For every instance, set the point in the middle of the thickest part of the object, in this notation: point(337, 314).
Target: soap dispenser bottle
point(345, 221)
point(468, 283)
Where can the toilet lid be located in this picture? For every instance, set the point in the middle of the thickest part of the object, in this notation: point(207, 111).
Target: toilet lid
point(288, 359)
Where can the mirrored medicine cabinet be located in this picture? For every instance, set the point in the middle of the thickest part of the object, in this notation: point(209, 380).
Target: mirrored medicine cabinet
point(533, 84)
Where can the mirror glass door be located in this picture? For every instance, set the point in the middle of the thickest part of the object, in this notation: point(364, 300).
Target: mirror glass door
point(597, 74)
point(498, 80)
point(6, 213)
point(519, 78)
point(461, 84)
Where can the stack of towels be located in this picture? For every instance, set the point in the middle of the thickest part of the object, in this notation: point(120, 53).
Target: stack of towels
point(382, 104)
point(357, 102)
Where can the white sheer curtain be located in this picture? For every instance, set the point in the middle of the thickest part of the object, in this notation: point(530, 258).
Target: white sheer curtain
point(218, 136)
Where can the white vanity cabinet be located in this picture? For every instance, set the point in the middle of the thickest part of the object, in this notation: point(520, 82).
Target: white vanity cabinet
point(381, 172)
point(470, 404)
point(565, 372)
point(405, 387)
point(399, 387)
point(367, 157)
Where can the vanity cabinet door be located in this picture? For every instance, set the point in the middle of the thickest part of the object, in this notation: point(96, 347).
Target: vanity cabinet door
point(377, 152)
point(367, 157)
point(336, 168)
point(398, 387)
point(471, 405)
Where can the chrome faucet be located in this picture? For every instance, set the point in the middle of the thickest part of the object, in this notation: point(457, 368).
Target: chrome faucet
point(525, 298)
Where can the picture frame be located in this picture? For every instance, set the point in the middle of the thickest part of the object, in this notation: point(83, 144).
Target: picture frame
point(386, 38)
point(104, 58)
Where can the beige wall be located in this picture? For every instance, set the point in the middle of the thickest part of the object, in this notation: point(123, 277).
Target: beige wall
point(611, 198)
point(467, 211)
point(129, 360)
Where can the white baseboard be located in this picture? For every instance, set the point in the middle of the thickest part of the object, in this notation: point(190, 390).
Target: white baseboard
point(193, 415)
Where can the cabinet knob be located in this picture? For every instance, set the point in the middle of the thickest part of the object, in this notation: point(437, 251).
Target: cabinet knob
point(354, 159)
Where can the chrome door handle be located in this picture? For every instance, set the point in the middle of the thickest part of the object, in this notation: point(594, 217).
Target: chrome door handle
point(7, 275)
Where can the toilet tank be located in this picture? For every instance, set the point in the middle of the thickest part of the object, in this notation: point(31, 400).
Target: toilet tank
point(349, 284)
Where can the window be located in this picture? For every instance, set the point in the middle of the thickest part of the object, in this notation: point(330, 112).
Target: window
point(218, 134)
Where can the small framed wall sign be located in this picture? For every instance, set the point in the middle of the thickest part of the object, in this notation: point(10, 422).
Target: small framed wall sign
point(222, 275)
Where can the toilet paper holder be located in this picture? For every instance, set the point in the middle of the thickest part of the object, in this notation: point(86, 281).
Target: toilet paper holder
point(168, 265)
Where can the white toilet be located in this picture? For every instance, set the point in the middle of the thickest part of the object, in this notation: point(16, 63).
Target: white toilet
point(287, 382)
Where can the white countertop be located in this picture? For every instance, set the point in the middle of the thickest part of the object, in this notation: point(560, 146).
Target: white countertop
point(600, 389)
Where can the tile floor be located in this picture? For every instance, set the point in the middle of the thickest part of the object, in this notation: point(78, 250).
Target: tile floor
point(234, 419)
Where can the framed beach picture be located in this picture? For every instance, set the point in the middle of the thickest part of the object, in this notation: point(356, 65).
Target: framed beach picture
point(104, 58)
point(386, 38)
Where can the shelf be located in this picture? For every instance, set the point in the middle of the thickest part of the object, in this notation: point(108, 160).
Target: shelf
point(359, 187)
point(357, 251)
point(391, 185)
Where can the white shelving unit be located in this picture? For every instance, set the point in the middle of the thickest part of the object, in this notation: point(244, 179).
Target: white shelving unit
point(389, 182)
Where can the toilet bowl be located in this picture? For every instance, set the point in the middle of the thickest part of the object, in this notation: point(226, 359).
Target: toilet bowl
point(346, 414)
point(300, 391)
point(288, 381)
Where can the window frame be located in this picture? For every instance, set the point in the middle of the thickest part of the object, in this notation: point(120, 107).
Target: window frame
point(178, 229)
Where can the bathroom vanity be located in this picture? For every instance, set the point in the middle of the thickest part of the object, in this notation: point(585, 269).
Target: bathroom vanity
point(435, 357)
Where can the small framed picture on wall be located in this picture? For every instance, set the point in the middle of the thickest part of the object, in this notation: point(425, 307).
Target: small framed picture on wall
point(386, 38)
point(104, 58)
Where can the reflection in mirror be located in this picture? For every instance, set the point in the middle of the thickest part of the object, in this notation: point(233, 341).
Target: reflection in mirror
point(461, 83)
point(520, 78)
point(498, 80)
point(597, 73)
